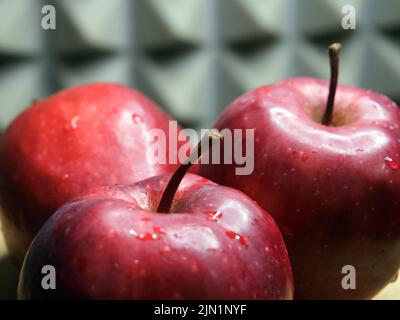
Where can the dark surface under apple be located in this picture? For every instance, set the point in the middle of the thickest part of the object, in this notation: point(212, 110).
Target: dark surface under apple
point(60, 147)
point(215, 243)
point(333, 190)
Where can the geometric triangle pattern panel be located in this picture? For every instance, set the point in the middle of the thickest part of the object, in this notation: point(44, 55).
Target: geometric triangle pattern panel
point(92, 25)
point(192, 56)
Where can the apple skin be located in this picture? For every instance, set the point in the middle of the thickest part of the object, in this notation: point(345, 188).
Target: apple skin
point(111, 244)
point(88, 136)
point(334, 191)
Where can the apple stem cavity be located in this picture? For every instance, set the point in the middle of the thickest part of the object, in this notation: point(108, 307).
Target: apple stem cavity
point(169, 193)
point(334, 50)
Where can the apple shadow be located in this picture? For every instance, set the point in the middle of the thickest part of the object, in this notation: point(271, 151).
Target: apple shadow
point(8, 279)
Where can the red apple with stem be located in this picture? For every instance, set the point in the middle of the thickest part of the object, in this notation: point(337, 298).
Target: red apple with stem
point(153, 240)
point(329, 175)
point(88, 136)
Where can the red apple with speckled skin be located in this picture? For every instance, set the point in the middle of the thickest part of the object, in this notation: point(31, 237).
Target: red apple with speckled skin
point(153, 240)
point(334, 190)
point(88, 136)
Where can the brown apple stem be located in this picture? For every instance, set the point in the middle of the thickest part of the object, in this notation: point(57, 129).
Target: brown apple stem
point(334, 50)
point(173, 184)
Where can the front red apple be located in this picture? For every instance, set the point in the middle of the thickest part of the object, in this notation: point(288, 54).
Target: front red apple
point(79, 138)
point(214, 242)
point(333, 190)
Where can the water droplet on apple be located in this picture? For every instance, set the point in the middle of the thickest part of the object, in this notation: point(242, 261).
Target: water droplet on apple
point(137, 119)
point(158, 230)
point(132, 232)
point(233, 235)
point(194, 268)
point(391, 163)
point(359, 150)
point(65, 177)
point(304, 157)
point(146, 236)
point(165, 250)
point(328, 175)
point(74, 122)
point(214, 215)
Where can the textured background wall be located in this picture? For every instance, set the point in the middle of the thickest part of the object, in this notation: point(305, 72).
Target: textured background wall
point(191, 56)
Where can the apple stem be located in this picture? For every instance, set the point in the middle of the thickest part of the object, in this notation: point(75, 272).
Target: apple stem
point(173, 184)
point(334, 50)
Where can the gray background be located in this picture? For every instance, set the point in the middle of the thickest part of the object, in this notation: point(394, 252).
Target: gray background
point(191, 56)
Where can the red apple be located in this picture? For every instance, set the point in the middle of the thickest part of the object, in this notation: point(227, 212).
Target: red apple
point(333, 188)
point(84, 137)
point(151, 240)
